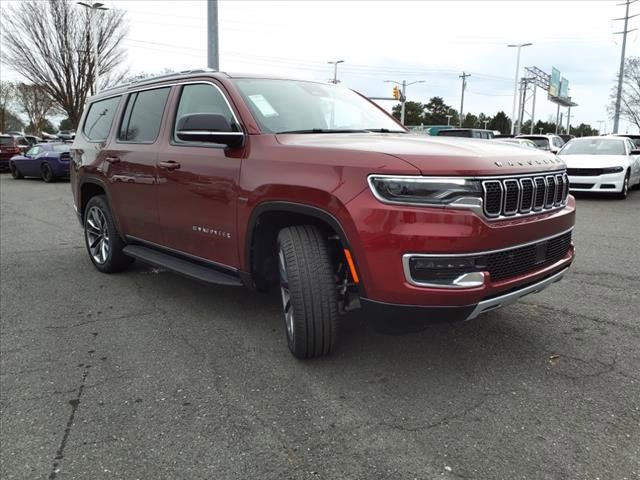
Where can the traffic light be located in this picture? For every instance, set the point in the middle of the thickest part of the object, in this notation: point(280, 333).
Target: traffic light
point(396, 92)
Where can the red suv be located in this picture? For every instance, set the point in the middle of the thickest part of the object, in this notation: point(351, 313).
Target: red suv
point(241, 180)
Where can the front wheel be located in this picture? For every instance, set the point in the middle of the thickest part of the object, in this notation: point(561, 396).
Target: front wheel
point(15, 173)
point(624, 191)
point(101, 237)
point(47, 173)
point(308, 291)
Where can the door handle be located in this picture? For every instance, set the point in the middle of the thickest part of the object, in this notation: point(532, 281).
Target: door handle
point(170, 165)
point(112, 159)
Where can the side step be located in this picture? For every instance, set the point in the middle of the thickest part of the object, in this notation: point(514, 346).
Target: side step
point(181, 266)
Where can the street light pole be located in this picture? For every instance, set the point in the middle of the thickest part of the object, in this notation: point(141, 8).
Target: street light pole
point(94, 38)
point(515, 84)
point(449, 120)
point(485, 123)
point(464, 87)
point(335, 70)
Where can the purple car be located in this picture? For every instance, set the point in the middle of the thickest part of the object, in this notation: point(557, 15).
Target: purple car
point(46, 160)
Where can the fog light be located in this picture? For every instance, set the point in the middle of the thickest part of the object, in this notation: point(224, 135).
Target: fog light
point(445, 272)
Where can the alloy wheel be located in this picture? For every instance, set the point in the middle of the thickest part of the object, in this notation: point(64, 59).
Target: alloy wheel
point(97, 235)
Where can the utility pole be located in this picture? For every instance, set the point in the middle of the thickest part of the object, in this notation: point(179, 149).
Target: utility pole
point(93, 8)
point(403, 94)
point(464, 86)
point(616, 115)
point(515, 84)
point(335, 71)
point(213, 60)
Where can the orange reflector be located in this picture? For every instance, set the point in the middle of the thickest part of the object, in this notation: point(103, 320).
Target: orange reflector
point(352, 267)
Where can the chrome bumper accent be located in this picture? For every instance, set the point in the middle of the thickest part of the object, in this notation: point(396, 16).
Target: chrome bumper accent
point(512, 297)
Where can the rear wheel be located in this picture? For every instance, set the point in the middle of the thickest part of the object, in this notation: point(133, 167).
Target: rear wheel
point(625, 187)
point(47, 173)
point(103, 242)
point(308, 291)
point(15, 173)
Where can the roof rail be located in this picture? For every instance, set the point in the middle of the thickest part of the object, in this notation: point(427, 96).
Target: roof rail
point(158, 78)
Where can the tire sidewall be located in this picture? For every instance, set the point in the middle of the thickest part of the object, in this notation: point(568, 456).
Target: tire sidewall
point(15, 173)
point(291, 341)
point(47, 173)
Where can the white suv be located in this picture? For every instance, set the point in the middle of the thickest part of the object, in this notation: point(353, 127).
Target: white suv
point(547, 141)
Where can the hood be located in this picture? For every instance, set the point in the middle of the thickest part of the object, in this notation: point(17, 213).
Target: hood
point(595, 161)
point(436, 155)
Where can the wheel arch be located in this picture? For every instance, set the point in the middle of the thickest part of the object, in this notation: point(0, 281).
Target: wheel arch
point(268, 218)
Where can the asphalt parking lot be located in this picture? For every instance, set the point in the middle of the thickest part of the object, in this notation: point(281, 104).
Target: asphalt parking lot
point(149, 375)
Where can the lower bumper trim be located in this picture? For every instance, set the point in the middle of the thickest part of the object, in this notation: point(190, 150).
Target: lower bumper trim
point(512, 297)
point(460, 313)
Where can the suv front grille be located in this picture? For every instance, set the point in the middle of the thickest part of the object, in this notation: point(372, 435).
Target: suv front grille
point(510, 196)
point(500, 265)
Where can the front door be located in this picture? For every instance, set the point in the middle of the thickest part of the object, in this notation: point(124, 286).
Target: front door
point(197, 182)
point(131, 164)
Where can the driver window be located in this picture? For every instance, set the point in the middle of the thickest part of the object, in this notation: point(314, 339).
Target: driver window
point(201, 98)
point(33, 151)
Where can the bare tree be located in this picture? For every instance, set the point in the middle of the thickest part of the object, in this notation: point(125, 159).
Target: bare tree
point(36, 103)
point(630, 100)
point(7, 99)
point(49, 43)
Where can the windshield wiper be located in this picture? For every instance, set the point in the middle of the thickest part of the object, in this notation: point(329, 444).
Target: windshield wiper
point(384, 130)
point(323, 130)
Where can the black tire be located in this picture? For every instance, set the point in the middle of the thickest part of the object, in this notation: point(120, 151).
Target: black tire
point(47, 173)
point(306, 272)
point(15, 173)
point(99, 225)
point(625, 187)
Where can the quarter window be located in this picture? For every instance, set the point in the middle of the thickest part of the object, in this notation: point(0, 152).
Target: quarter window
point(143, 116)
point(202, 98)
point(99, 118)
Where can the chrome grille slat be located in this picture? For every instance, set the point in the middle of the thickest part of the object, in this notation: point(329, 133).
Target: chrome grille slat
point(522, 194)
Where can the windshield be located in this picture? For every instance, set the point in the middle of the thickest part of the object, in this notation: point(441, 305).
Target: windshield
point(293, 106)
point(593, 146)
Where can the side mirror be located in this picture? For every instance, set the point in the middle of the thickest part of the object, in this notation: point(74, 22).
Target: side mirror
point(209, 127)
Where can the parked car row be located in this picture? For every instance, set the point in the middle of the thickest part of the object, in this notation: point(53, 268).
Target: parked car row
point(49, 161)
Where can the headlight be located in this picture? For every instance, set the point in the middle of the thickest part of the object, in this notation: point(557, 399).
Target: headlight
point(612, 170)
point(423, 190)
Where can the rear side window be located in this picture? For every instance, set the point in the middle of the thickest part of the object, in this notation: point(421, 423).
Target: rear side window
point(99, 118)
point(143, 116)
point(201, 98)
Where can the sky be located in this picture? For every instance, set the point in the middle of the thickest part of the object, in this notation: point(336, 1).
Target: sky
point(430, 41)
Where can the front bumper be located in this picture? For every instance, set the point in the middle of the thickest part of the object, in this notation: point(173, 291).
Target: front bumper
point(468, 312)
point(608, 183)
point(386, 233)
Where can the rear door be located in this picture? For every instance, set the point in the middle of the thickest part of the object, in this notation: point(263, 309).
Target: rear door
point(131, 163)
point(197, 182)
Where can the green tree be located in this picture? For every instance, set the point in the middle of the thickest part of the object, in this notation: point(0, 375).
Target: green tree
point(500, 122)
point(65, 125)
point(413, 113)
point(44, 126)
point(470, 121)
point(584, 130)
point(437, 111)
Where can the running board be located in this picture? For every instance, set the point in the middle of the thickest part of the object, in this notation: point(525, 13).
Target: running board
point(183, 267)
